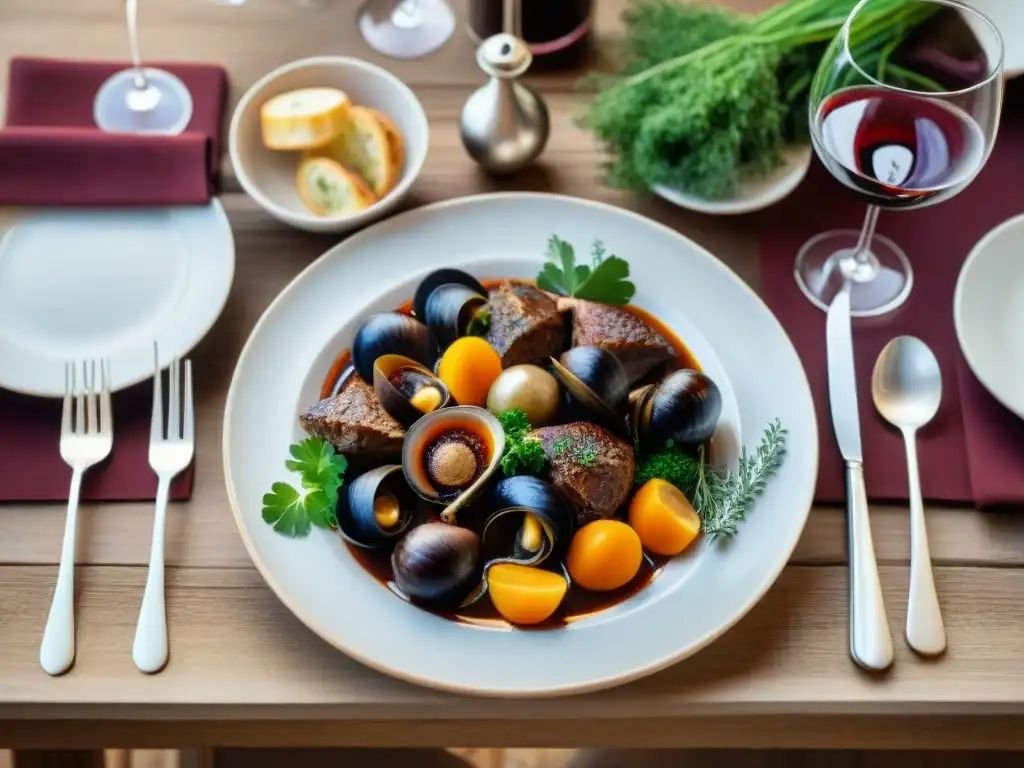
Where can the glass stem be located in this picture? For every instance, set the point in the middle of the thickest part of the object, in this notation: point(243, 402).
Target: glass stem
point(861, 266)
point(132, 13)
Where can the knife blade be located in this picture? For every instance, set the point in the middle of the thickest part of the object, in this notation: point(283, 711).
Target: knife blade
point(870, 641)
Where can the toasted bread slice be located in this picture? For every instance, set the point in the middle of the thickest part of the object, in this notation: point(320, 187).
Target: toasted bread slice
point(394, 136)
point(303, 119)
point(365, 148)
point(330, 189)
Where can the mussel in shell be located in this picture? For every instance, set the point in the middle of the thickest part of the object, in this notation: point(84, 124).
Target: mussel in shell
point(391, 333)
point(452, 311)
point(597, 382)
point(449, 455)
point(376, 508)
point(532, 521)
point(406, 389)
point(437, 565)
point(442, 277)
point(683, 407)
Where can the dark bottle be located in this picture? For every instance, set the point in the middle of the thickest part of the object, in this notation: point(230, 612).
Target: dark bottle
point(556, 31)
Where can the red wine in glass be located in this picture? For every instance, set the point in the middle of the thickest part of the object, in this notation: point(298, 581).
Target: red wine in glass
point(898, 149)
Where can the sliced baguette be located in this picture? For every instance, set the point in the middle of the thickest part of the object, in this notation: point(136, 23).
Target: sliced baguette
point(394, 137)
point(303, 119)
point(365, 147)
point(330, 189)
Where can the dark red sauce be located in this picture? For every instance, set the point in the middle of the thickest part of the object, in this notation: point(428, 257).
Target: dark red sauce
point(579, 603)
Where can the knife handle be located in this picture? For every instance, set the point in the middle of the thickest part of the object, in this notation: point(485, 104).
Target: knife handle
point(870, 641)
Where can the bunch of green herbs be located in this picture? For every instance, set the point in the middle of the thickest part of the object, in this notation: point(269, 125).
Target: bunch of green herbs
point(705, 98)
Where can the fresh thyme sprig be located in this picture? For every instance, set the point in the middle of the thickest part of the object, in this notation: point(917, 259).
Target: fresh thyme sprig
point(723, 498)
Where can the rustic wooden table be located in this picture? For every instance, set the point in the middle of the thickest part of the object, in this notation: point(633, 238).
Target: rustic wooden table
point(244, 671)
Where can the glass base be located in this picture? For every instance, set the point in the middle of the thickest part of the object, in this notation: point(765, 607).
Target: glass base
point(407, 29)
point(163, 105)
point(878, 284)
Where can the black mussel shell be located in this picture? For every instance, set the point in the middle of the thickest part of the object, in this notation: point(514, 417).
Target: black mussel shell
point(391, 333)
point(449, 310)
point(440, 277)
point(398, 403)
point(376, 508)
point(683, 407)
point(437, 565)
point(509, 536)
point(596, 380)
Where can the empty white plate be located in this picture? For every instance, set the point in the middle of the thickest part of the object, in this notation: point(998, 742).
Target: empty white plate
point(988, 309)
point(754, 195)
point(91, 283)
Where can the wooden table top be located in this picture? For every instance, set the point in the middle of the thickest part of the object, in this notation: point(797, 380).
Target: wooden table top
point(243, 670)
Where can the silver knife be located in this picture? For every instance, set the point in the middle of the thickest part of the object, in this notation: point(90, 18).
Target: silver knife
point(870, 641)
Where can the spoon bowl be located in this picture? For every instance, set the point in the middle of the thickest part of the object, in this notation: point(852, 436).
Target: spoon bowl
point(907, 383)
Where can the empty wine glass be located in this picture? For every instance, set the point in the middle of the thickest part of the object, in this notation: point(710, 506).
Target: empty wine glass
point(406, 29)
point(142, 99)
point(904, 111)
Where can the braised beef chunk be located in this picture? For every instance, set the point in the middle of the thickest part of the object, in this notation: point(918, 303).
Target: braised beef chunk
point(354, 422)
point(591, 467)
point(525, 324)
point(639, 347)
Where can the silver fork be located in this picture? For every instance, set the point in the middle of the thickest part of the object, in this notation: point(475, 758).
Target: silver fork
point(170, 452)
point(86, 437)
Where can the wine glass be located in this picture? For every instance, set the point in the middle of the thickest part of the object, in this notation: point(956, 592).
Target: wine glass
point(904, 111)
point(142, 99)
point(406, 29)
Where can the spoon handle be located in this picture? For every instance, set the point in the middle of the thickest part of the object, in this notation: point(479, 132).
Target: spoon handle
point(925, 631)
point(870, 641)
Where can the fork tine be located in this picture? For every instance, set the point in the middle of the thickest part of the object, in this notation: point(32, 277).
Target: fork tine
point(65, 415)
point(92, 405)
point(174, 403)
point(106, 411)
point(189, 417)
point(79, 399)
point(156, 431)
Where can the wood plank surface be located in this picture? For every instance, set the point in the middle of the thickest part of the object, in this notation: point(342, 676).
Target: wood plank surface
point(244, 671)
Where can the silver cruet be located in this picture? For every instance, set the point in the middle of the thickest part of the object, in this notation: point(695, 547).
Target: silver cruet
point(504, 123)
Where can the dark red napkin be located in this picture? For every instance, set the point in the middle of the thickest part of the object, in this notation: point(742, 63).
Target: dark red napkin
point(34, 471)
point(52, 153)
point(972, 452)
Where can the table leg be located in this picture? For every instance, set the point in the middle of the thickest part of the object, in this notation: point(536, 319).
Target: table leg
point(58, 758)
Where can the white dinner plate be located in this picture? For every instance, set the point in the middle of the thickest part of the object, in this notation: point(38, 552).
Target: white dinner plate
point(694, 600)
point(988, 310)
point(755, 194)
point(107, 282)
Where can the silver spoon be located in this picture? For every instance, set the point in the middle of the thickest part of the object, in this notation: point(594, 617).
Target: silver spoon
point(907, 389)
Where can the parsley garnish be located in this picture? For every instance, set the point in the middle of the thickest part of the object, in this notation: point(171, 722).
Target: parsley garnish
point(721, 497)
point(523, 455)
point(292, 512)
point(479, 324)
point(604, 281)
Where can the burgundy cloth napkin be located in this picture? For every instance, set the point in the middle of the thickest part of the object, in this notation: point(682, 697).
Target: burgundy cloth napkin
point(52, 153)
point(34, 471)
point(972, 452)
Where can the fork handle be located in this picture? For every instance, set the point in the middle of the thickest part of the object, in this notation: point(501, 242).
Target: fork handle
point(149, 651)
point(57, 651)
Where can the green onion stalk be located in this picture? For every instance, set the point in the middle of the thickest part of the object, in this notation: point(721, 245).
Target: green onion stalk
point(706, 98)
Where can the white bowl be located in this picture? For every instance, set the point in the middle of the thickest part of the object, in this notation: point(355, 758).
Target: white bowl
point(755, 194)
point(268, 176)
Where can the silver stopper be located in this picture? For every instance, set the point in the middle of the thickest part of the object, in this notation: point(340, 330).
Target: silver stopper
point(504, 123)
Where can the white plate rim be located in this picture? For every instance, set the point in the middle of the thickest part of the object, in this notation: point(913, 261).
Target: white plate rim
point(797, 163)
point(166, 351)
point(959, 310)
point(803, 501)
